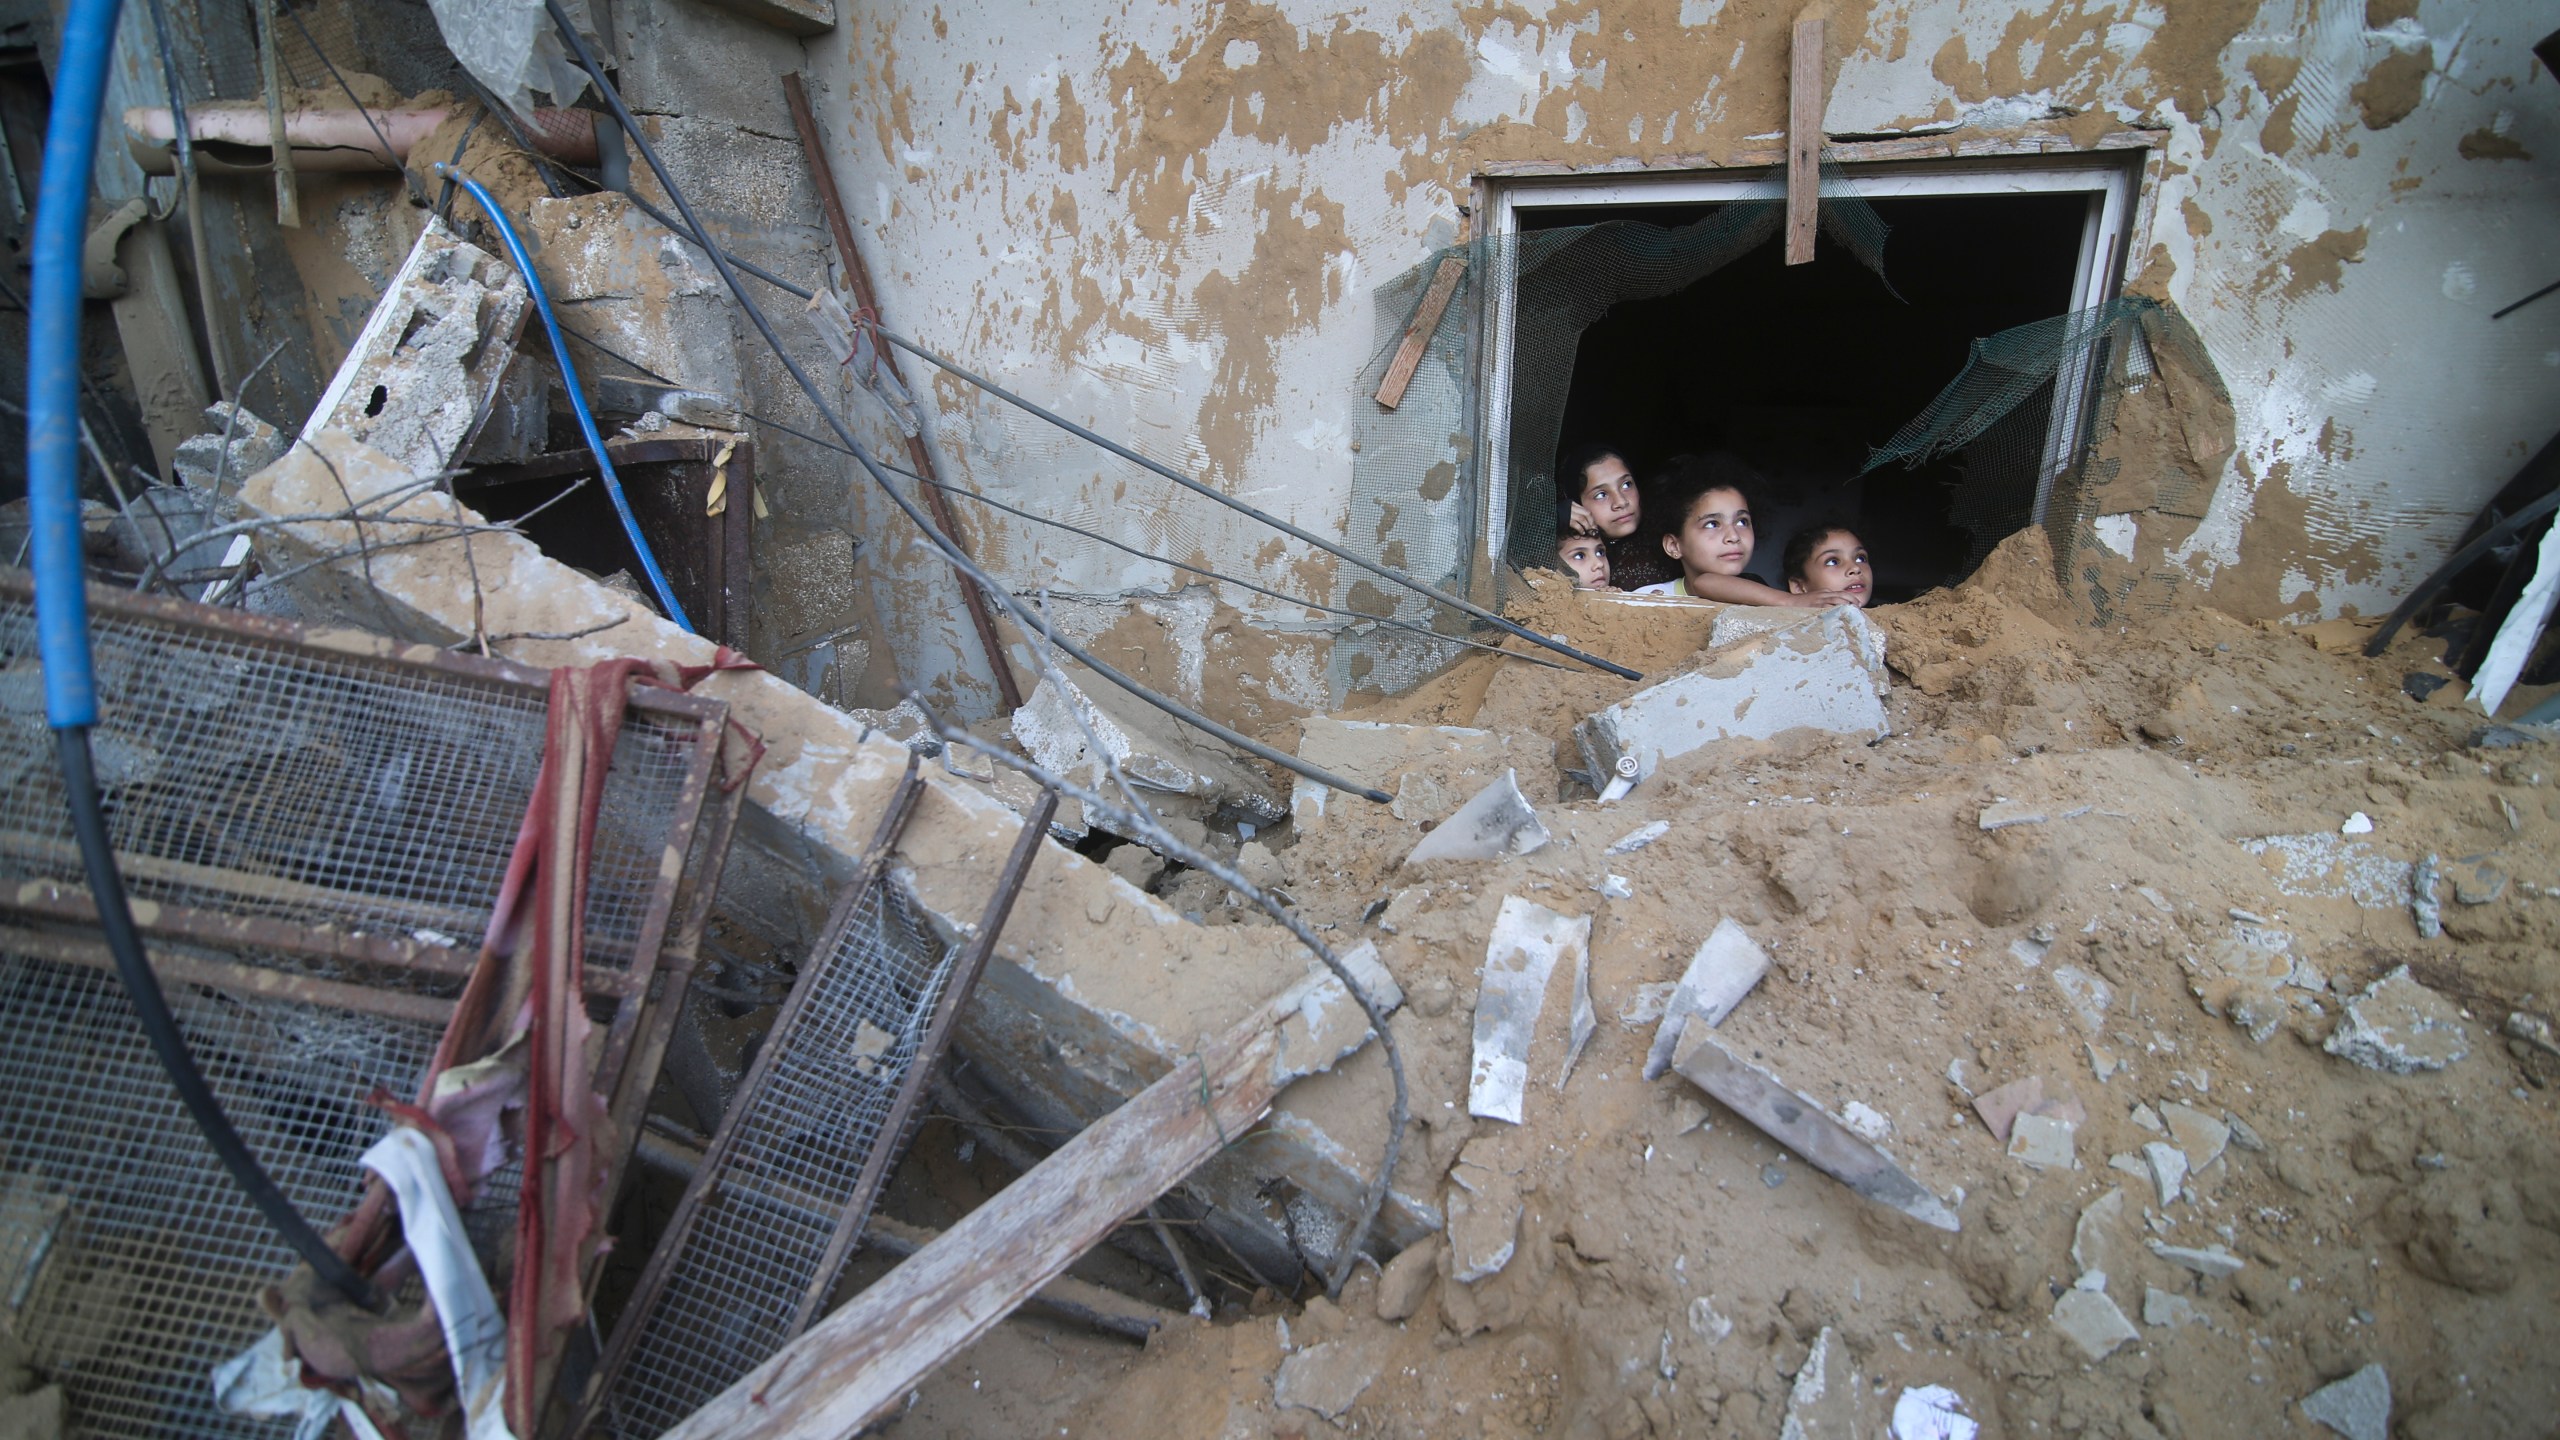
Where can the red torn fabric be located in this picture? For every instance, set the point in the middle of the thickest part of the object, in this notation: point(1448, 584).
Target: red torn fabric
point(542, 1059)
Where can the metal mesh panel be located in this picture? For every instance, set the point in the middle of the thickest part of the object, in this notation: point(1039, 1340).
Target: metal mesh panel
point(767, 1208)
point(129, 1264)
point(256, 777)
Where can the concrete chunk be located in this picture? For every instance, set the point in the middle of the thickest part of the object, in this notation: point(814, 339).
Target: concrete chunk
point(1155, 753)
point(2212, 1260)
point(1406, 1281)
point(2358, 1407)
point(2091, 1321)
point(1824, 1403)
point(1723, 971)
point(1426, 767)
point(1327, 1378)
point(2202, 1136)
point(1520, 958)
point(2168, 1169)
point(2041, 1141)
point(1496, 824)
point(1484, 1221)
point(2162, 1310)
point(2092, 1237)
point(1818, 669)
point(2399, 1027)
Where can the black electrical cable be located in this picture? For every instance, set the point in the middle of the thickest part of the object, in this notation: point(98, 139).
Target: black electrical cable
point(1028, 619)
point(151, 1007)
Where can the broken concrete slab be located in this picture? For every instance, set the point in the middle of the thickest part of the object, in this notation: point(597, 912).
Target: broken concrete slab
point(2093, 1245)
point(1792, 1119)
point(2000, 1107)
point(2042, 1142)
point(1326, 1378)
point(2358, 1407)
point(1640, 837)
point(1483, 1207)
point(2091, 1322)
point(2328, 866)
point(1405, 1282)
point(2200, 1135)
point(1496, 824)
point(1728, 964)
point(2211, 1261)
point(2168, 1166)
point(1528, 942)
point(2399, 1027)
point(2089, 995)
point(1426, 767)
point(2163, 1310)
point(1819, 669)
point(1823, 1405)
point(1157, 754)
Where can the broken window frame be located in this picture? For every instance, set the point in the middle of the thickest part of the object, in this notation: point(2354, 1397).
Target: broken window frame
point(2117, 175)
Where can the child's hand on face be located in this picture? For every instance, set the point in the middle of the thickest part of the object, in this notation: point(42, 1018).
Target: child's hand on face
point(1581, 522)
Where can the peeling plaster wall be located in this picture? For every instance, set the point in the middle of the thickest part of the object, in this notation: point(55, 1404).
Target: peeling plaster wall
point(1167, 223)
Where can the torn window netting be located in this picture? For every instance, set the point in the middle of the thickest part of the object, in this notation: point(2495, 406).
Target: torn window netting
point(1455, 484)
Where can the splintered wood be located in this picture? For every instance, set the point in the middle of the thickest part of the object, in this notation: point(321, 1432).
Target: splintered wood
point(1417, 335)
point(1804, 137)
point(857, 1364)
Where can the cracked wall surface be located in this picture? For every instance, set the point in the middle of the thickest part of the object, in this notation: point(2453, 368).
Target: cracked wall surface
point(1167, 222)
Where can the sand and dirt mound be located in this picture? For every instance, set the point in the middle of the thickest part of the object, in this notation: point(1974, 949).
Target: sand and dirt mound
point(2172, 937)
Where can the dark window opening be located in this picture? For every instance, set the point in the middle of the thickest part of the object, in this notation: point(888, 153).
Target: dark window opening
point(1802, 369)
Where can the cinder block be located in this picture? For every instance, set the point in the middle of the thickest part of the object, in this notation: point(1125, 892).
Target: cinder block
point(1770, 671)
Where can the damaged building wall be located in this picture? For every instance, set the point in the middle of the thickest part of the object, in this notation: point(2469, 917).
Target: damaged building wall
point(1168, 222)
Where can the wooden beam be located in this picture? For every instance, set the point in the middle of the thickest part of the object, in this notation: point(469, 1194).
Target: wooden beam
point(860, 1362)
point(1804, 137)
point(1417, 335)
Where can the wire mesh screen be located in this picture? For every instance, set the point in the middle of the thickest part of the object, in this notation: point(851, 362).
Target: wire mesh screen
point(762, 1212)
point(396, 40)
point(2030, 417)
point(129, 1263)
point(253, 776)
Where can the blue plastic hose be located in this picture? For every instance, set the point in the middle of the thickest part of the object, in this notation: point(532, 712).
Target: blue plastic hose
point(577, 397)
point(62, 606)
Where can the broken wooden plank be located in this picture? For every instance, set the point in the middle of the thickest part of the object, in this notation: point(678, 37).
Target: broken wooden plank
point(1417, 335)
point(859, 1363)
point(1806, 1128)
point(1804, 137)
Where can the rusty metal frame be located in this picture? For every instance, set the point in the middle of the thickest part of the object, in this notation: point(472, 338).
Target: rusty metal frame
point(937, 1038)
point(724, 1140)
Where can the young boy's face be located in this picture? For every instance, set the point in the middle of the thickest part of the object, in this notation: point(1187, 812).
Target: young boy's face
point(1609, 496)
point(1587, 559)
point(1838, 565)
point(1714, 538)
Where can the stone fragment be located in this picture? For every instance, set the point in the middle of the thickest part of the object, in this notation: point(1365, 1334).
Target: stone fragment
point(2041, 1141)
point(1327, 1378)
point(1723, 971)
point(2163, 1310)
point(1824, 1403)
point(1421, 765)
point(1172, 763)
point(2001, 1107)
point(2089, 995)
point(2093, 1244)
point(1484, 1221)
point(2200, 1135)
point(1405, 1282)
point(1820, 669)
point(2103, 1063)
point(2149, 1119)
point(1868, 1121)
point(2476, 882)
point(1496, 824)
point(2358, 823)
point(2358, 1407)
point(2211, 1260)
point(2425, 909)
point(2168, 1166)
point(1640, 837)
point(2130, 1164)
point(2091, 1321)
point(1615, 887)
point(2399, 1027)
point(1520, 958)
point(2243, 1136)
point(1706, 1322)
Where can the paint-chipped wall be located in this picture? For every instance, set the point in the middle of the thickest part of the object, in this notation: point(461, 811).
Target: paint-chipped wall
point(1167, 222)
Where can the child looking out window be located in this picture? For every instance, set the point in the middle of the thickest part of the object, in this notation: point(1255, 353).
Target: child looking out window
point(1586, 559)
point(1713, 539)
point(1826, 559)
point(1606, 502)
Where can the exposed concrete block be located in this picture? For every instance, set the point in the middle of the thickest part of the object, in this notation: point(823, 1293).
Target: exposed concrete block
point(429, 360)
point(1156, 752)
point(1777, 670)
point(1430, 769)
point(2399, 1027)
point(628, 282)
